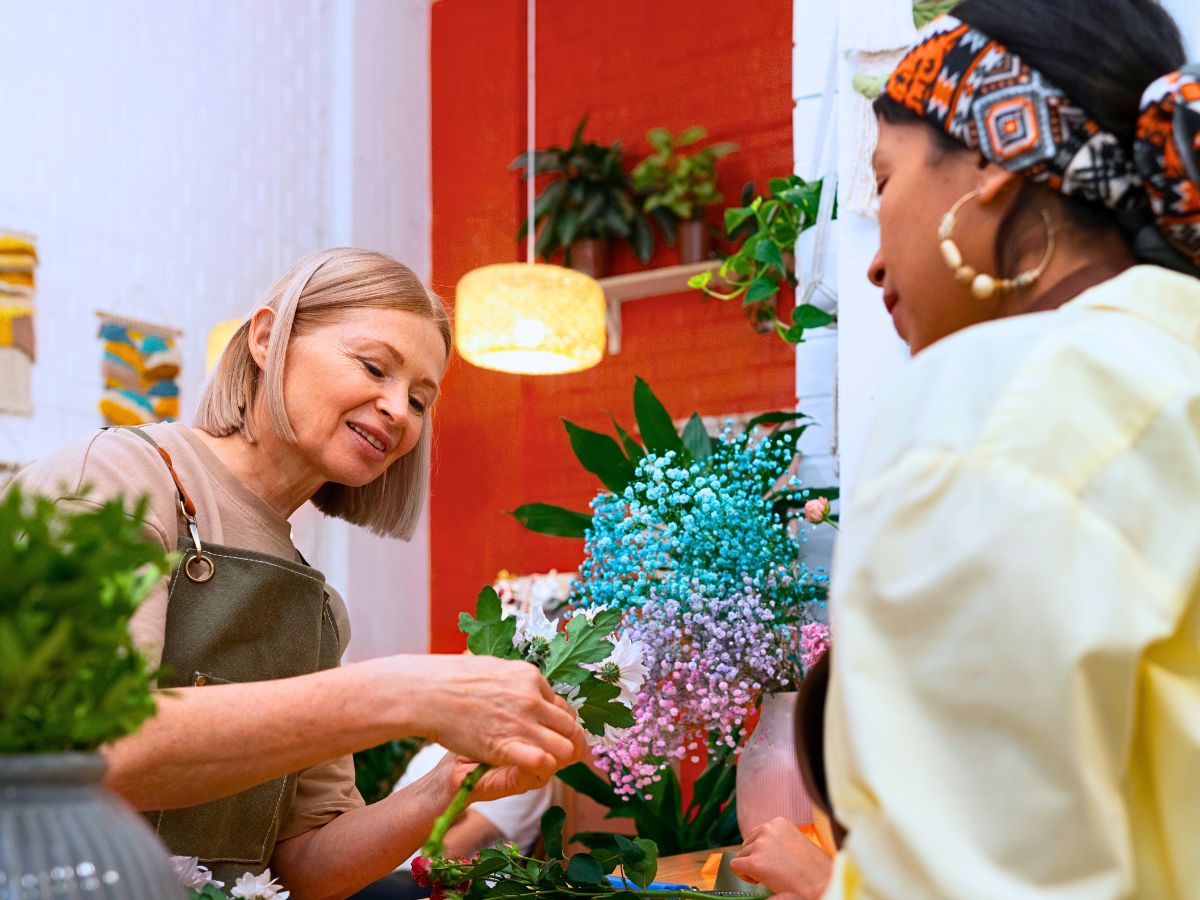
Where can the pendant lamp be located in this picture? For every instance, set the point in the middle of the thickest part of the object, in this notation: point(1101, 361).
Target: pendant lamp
point(530, 318)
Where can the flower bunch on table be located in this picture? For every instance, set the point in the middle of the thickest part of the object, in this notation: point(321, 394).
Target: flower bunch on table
point(199, 883)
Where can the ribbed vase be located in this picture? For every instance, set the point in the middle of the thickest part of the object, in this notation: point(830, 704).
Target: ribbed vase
point(63, 835)
point(768, 773)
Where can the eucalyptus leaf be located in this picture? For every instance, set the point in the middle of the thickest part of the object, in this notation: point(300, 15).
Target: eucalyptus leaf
point(558, 521)
point(654, 423)
point(600, 455)
point(696, 439)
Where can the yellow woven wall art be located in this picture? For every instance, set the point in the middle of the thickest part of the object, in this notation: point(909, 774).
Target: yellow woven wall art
point(140, 365)
point(18, 264)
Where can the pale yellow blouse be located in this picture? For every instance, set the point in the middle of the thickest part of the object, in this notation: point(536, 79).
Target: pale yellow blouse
point(1015, 703)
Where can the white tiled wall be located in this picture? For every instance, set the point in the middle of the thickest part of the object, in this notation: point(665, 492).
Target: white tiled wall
point(172, 159)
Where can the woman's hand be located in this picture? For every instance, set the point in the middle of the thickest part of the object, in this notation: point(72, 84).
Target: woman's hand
point(778, 855)
point(505, 781)
point(501, 712)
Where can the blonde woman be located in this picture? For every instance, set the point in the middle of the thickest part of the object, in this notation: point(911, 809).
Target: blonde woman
point(323, 395)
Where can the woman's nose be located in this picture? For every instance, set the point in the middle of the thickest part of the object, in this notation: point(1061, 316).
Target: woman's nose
point(876, 270)
point(394, 407)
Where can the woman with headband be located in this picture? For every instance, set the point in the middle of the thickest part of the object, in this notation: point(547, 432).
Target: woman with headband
point(1014, 707)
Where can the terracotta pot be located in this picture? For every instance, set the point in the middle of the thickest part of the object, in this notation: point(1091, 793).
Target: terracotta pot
point(768, 772)
point(67, 835)
point(695, 244)
point(589, 256)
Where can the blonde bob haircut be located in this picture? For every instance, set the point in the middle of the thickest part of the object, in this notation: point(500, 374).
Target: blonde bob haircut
point(317, 290)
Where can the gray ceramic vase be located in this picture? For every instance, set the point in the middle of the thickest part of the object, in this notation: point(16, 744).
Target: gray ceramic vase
point(63, 835)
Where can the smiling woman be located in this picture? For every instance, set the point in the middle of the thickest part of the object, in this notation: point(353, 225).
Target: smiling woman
point(322, 395)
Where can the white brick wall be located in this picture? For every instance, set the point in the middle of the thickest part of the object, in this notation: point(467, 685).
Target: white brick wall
point(173, 159)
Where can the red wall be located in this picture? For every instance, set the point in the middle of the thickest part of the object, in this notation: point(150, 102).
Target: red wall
point(630, 64)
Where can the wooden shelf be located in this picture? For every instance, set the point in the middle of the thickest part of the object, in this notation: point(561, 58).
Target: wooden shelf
point(649, 283)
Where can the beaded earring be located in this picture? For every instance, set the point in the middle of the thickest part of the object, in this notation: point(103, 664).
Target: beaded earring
point(981, 285)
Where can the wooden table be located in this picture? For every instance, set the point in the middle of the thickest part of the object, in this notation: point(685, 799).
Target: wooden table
point(684, 868)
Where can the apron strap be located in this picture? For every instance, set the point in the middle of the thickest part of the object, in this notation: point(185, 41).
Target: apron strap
point(204, 571)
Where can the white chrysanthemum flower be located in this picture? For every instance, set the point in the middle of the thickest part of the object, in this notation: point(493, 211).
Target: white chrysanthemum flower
point(612, 737)
point(570, 693)
point(258, 887)
point(191, 874)
point(591, 612)
point(624, 668)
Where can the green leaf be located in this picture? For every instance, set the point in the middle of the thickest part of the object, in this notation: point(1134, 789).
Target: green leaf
point(696, 439)
point(808, 316)
point(642, 239)
point(488, 634)
point(600, 455)
point(601, 707)
point(760, 289)
point(582, 779)
point(633, 449)
point(584, 869)
point(582, 642)
point(768, 252)
point(735, 217)
point(642, 873)
point(654, 423)
point(553, 820)
point(553, 520)
point(773, 418)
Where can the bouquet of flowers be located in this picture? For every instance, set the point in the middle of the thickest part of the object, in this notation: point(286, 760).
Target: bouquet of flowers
point(698, 542)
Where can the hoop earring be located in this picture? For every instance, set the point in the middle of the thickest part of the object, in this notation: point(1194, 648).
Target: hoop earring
point(984, 286)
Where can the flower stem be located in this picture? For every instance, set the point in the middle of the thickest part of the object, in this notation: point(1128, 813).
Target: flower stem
point(435, 846)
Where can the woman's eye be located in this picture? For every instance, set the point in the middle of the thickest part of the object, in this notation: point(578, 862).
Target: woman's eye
point(373, 370)
point(417, 405)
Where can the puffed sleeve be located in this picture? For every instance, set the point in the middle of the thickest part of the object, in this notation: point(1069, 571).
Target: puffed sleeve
point(989, 628)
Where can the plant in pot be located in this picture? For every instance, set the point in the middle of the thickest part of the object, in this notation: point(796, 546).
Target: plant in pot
point(71, 681)
point(768, 227)
point(587, 202)
point(678, 188)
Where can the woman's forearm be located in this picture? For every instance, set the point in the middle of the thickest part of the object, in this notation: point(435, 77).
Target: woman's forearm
point(362, 845)
point(208, 742)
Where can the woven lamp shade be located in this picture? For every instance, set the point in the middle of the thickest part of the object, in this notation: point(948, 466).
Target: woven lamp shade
point(218, 336)
point(529, 319)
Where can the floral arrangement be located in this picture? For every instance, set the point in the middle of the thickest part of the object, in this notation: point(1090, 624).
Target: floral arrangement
point(199, 883)
point(697, 541)
point(549, 590)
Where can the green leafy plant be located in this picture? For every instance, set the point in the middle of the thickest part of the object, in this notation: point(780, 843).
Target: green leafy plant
point(505, 872)
point(614, 460)
point(70, 676)
point(589, 196)
point(709, 820)
point(763, 264)
point(678, 186)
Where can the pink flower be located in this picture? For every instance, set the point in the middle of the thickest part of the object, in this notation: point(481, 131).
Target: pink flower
point(816, 510)
point(814, 641)
point(421, 870)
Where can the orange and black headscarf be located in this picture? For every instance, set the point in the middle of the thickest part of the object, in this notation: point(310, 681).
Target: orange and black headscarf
point(979, 92)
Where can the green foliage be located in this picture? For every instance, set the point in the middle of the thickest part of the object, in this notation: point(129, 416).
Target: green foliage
point(589, 196)
point(503, 871)
point(678, 186)
point(768, 227)
point(710, 820)
point(615, 462)
point(378, 769)
point(70, 676)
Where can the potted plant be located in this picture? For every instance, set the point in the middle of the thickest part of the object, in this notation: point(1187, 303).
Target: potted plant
point(677, 188)
point(768, 227)
point(71, 681)
point(588, 201)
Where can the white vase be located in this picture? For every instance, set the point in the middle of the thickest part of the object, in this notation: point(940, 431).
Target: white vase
point(768, 773)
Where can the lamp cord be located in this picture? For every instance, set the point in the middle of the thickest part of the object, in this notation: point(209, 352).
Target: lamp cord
point(530, 98)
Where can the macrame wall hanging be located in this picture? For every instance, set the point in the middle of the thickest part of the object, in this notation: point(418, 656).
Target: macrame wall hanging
point(18, 260)
point(140, 367)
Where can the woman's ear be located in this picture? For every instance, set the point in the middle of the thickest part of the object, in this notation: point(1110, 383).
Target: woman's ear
point(996, 183)
point(259, 336)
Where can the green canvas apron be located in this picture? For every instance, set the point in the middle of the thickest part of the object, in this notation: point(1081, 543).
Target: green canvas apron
point(236, 615)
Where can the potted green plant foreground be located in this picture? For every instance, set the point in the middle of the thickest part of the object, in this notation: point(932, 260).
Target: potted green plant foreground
point(71, 681)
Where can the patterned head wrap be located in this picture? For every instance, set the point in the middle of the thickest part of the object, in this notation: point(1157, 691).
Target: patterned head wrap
point(977, 91)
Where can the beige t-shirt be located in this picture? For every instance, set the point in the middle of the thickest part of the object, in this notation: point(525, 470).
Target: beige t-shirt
point(118, 462)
